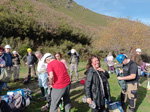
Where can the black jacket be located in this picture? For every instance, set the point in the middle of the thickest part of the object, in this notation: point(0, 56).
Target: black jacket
point(33, 57)
point(93, 88)
point(76, 56)
point(16, 60)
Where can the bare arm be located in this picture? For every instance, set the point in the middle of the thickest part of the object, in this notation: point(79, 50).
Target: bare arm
point(130, 77)
point(51, 76)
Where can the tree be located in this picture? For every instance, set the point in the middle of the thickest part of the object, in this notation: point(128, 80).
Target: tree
point(121, 34)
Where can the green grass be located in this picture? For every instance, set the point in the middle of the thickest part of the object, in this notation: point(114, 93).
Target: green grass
point(77, 91)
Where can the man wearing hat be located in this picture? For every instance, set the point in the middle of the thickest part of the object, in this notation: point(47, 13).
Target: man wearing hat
point(138, 60)
point(8, 61)
point(59, 81)
point(30, 60)
point(74, 61)
point(130, 75)
point(16, 65)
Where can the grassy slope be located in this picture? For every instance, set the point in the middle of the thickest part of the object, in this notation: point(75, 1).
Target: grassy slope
point(77, 93)
point(54, 12)
point(80, 13)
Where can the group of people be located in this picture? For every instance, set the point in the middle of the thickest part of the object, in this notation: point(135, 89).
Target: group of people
point(96, 84)
point(11, 62)
point(52, 73)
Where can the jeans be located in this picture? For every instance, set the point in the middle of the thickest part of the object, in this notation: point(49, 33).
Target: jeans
point(43, 79)
point(4, 85)
point(1, 85)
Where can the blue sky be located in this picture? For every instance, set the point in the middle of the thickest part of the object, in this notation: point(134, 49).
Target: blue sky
point(135, 9)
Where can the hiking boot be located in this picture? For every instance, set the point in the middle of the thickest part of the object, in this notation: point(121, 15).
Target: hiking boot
point(43, 98)
point(36, 79)
point(42, 91)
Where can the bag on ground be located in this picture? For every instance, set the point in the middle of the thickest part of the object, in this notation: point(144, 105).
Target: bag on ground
point(18, 99)
point(115, 107)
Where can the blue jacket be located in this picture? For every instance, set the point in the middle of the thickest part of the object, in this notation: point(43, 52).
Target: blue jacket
point(8, 59)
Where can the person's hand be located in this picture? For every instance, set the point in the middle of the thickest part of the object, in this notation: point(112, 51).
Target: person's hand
point(119, 78)
point(50, 86)
point(121, 71)
point(89, 100)
point(2, 65)
point(100, 69)
point(26, 63)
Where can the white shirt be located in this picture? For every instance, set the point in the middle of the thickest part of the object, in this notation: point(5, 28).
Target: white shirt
point(41, 67)
point(110, 60)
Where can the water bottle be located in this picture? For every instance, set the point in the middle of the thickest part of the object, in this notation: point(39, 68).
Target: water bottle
point(84, 99)
point(92, 105)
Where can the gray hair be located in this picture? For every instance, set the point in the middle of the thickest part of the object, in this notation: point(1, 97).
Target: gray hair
point(38, 52)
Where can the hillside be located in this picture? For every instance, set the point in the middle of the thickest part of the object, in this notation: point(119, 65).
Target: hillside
point(52, 13)
point(49, 25)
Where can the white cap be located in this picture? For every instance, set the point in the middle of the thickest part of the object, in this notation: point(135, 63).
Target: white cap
point(73, 50)
point(14, 52)
point(47, 56)
point(138, 50)
point(7, 46)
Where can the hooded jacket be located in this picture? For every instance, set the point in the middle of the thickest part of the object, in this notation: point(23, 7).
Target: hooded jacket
point(93, 87)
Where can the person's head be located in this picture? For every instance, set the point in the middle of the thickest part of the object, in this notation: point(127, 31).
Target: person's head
point(29, 50)
point(110, 54)
point(7, 48)
point(73, 51)
point(122, 59)
point(38, 54)
point(1, 50)
point(15, 53)
point(138, 51)
point(48, 57)
point(94, 62)
point(58, 56)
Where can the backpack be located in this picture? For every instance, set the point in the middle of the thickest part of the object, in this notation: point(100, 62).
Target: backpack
point(21, 98)
point(113, 106)
point(122, 83)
